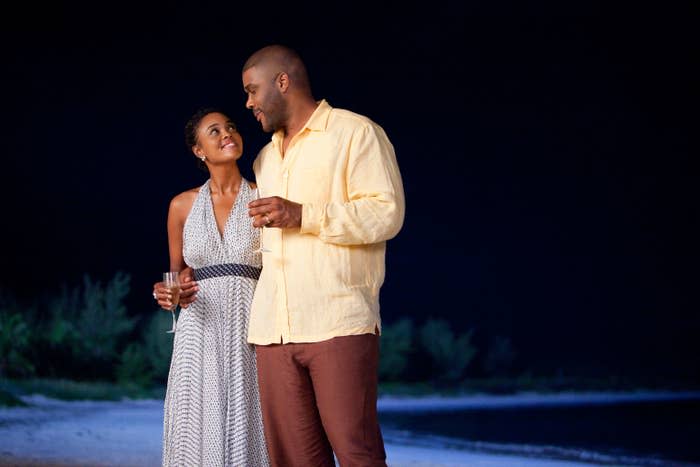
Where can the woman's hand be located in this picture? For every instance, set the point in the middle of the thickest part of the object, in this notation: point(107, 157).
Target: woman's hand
point(163, 296)
point(188, 291)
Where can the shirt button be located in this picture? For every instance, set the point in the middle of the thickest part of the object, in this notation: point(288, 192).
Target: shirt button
point(286, 174)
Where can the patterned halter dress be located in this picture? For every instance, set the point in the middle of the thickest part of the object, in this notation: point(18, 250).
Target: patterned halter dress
point(212, 407)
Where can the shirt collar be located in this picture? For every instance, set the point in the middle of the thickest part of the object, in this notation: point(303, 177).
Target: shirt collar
point(319, 119)
point(317, 122)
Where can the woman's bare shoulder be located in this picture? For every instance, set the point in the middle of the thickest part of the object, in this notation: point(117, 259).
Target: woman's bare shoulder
point(182, 203)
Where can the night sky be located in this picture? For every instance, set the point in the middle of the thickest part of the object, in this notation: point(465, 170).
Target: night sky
point(545, 151)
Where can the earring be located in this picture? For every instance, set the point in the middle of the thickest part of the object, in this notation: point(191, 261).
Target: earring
point(203, 158)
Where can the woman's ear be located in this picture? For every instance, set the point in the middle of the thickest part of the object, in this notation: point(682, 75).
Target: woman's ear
point(198, 153)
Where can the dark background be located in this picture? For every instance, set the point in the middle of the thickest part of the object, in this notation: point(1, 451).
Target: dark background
point(545, 151)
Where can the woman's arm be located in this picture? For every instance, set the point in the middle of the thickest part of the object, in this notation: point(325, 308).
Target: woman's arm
point(180, 207)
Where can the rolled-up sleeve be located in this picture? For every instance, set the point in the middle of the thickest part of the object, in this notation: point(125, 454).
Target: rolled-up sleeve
point(375, 206)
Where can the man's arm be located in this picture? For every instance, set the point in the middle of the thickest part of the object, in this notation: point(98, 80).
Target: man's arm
point(374, 211)
point(375, 208)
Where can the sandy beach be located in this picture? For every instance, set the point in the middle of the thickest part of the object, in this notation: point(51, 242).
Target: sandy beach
point(128, 433)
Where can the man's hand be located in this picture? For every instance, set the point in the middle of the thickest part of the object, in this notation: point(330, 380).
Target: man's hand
point(275, 212)
point(188, 287)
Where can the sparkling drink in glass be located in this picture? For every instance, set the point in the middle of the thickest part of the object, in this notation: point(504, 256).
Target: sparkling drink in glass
point(171, 280)
point(261, 248)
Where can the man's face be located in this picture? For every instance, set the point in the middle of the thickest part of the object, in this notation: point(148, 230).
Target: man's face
point(264, 98)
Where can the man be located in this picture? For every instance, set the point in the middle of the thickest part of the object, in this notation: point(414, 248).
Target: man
point(331, 196)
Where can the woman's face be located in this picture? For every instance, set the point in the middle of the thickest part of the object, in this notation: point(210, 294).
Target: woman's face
point(218, 139)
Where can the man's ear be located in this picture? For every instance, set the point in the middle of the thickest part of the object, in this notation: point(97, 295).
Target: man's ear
point(283, 82)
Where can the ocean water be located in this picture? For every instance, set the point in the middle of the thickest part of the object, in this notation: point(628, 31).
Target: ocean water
point(644, 432)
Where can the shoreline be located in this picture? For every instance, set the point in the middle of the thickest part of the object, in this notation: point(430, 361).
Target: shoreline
point(54, 433)
point(528, 399)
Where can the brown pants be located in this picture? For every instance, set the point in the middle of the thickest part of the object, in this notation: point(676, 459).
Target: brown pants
point(319, 398)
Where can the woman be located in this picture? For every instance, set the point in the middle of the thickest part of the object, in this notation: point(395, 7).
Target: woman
point(212, 409)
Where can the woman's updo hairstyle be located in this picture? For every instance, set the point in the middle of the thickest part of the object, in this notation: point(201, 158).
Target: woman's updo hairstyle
point(191, 130)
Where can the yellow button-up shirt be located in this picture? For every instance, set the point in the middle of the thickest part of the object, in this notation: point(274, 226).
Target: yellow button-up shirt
point(323, 280)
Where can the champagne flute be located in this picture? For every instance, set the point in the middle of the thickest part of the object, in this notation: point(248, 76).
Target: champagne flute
point(261, 248)
point(171, 280)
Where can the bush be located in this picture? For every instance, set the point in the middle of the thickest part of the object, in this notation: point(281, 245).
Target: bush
point(82, 333)
point(58, 334)
point(14, 345)
point(450, 354)
point(101, 319)
point(83, 329)
point(15, 337)
point(158, 345)
point(134, 367)
point(499, 357)
point(148, 361)
point(396, 343)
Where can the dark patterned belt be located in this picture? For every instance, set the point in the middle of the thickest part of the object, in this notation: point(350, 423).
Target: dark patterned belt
point(228, 269)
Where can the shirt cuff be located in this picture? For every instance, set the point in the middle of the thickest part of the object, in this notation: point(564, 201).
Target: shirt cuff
point(310, 219)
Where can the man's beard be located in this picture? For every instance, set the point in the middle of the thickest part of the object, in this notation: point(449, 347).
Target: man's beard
point(276, 115)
